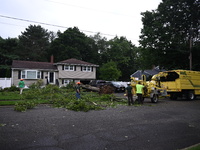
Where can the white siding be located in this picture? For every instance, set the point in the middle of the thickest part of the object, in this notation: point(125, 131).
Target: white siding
point(60, 74)
point(28, 82)
point(78, 74)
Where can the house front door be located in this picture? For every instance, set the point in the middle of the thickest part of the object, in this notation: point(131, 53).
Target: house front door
point(51, 78)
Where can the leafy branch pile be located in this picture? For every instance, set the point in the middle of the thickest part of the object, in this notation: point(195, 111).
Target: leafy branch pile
point(65, 98)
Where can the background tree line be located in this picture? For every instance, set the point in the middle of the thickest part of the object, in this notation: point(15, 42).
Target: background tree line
point(164, 41)
point(37, 44)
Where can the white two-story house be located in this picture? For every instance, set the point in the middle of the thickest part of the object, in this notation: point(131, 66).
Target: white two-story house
point(60, 73)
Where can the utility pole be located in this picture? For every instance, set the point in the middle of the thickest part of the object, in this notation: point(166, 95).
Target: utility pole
point(190, 57)
point(191, 32)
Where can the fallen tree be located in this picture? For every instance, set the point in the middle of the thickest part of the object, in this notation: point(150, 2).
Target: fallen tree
point(91, 88)
point(105, 89)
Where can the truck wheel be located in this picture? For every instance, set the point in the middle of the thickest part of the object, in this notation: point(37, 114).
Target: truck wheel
point(190, 95)
point(154, 99)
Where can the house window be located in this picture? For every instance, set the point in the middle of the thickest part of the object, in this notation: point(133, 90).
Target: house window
point(67, 81)
point(69, 68)
point(30, 74)
point(23, 75)
point(87, 69)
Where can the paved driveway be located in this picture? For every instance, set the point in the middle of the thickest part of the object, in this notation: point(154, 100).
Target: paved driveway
point(167, 125)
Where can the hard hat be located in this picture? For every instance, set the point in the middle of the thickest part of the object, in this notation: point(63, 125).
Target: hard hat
point(78, 82)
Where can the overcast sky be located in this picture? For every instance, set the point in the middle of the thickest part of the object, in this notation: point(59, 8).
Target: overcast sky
point(109, 17)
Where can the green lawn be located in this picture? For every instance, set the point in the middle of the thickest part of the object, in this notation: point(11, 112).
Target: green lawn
point(6, 103)
point(10, 96)
point(196, 147)
point(12, 102)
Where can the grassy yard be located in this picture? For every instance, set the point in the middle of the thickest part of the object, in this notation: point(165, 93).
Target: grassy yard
point(195, 147)
point(11, 98)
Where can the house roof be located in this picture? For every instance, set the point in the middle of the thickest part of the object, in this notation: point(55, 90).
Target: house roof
point(74, 61)
point(137, 74)
point(17, 64)
point(152, 72)
point(33, 65)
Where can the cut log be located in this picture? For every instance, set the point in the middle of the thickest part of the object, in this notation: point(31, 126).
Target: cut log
point(92, 88)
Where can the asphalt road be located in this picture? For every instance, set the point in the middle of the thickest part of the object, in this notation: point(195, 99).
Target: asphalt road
point(167, 125)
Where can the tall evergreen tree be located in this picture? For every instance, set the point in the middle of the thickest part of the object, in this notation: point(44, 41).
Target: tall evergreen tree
point(34, 44)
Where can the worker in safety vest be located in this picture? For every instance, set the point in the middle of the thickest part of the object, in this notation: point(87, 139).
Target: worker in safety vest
point(139, 89)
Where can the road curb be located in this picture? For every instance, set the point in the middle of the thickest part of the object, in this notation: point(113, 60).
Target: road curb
point(191, 146)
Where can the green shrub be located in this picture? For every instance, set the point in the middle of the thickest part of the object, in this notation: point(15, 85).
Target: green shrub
point(11, 89)
point(69, 86)
point(70, 102)
point(22, 106)
point(106, 97)
point(82, 105)
point(31, 104)
point(50, 92)
point(78, 105)
point(32, 94)
point(37, 84)
point(51, 88)
point(62, 102)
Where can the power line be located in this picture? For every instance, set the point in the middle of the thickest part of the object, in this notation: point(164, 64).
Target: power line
point(25, 20)
point(32, 21)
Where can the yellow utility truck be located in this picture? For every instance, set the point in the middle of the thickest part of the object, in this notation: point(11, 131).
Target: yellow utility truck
point(179, 83)
point(151, 88)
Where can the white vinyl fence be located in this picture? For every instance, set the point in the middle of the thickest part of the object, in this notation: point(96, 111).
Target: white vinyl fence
point(5, 82)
